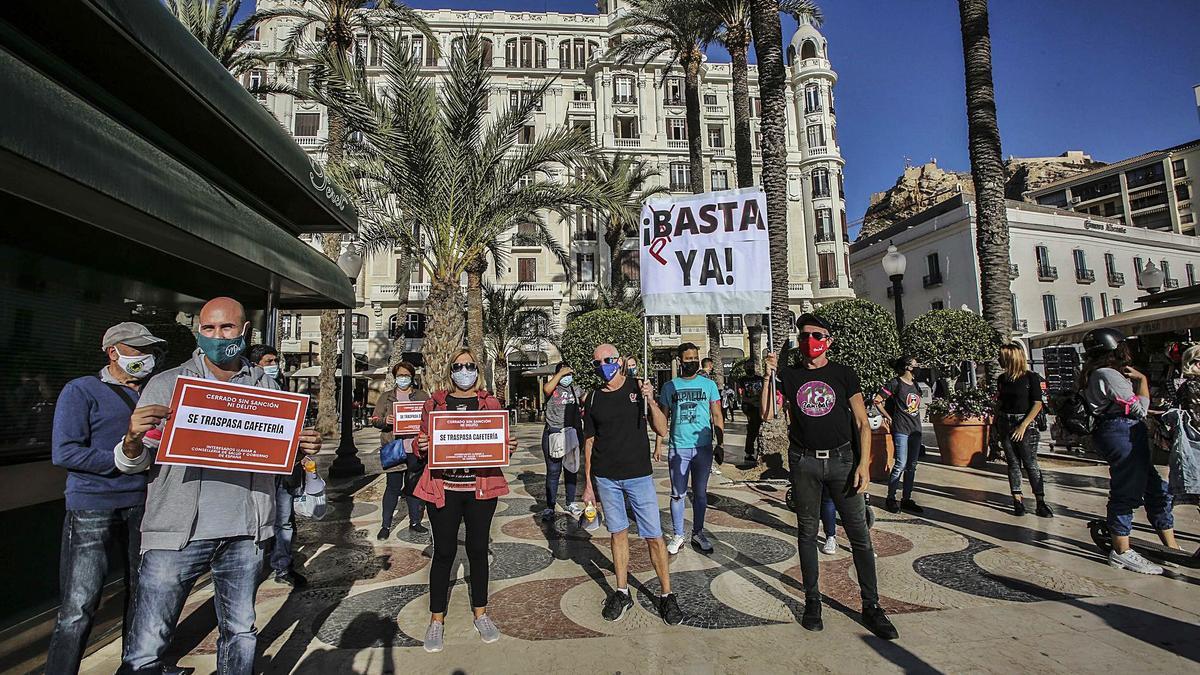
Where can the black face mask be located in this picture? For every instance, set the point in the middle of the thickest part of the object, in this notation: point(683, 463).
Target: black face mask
point(689, 368)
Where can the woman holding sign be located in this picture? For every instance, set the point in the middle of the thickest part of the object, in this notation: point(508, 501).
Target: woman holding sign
point(460, 494)
point(402, 478)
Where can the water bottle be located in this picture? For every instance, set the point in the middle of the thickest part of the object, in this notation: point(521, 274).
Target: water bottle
point(589, 517)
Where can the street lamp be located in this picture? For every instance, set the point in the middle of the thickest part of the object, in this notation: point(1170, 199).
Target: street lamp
point(1151, 278)
point(347, 463)
point(894, 264)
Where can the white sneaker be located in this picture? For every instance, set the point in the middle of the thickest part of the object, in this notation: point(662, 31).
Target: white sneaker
point(716, 470)
point(1133, 561)
point(702, 541)
point(575, 510)
point(675, 543)
point(830, 546)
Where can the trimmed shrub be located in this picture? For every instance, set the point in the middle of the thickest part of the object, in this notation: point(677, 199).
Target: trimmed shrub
point(943, 338)
point(621, 329)
point(864, 338)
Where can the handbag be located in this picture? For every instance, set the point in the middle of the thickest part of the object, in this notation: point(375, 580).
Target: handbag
point(392, 454)
point(556, 444)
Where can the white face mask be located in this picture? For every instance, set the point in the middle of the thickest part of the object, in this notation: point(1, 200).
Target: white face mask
point(403, 382)
point(136, 367)
point(272, 371)
point(465, 379)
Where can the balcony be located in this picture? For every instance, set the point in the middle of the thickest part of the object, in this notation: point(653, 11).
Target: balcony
point(1170, 283)
point(416, 291)
point(584, 235)
point(677, 144)
point(931, 280)
point(528, 240)
point(1014, 271)
point(1047, 273)
point(585, 289)
point(716, 152)
point(1020, 325)
point(583, 107)
point(674, 101)
point(809, 110)
point(634, 142)
point(308, 141)
point(797, 289)
point(625, 100)
point(715, 111)
point(1055, 324)
point(536, 290)
point(1085, 276)
point(822, 236)
point(829, 283)
point(680, 187)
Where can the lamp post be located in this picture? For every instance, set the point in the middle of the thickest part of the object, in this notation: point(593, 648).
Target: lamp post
point(1151, 278)
point(347, 463)
point(894, 264)
point(753, 330)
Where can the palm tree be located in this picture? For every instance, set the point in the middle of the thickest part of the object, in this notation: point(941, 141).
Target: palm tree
point(505, 321)
point(337, 24)
point(627, 178)
point(461, 177)
point(624, 296)
point(987, 169)
point(674, 30)
point(211, 22)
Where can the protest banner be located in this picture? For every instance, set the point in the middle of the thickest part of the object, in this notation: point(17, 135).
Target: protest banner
point(468, 439)
point(406, 417)
point(232, 426)
point(706, 254)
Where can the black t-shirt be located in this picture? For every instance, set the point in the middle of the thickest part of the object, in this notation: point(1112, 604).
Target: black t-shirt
point(903, 402)
point(460, 478)
point(617, 421)
point(1016, 397)
point(820, 405)
point(751, 387)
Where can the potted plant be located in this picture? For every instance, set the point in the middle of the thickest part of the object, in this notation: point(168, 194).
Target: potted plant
point(961, 422)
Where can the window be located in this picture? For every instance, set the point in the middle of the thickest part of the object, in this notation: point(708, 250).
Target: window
point(1080, 261)
point(710, 99)
point(1043, 257)
point(519, 97)
point(845, 229)
point(933, 265)
point(302, 79)
point(1050, 310)
point(585, 266)
point(307, 124)
point(720, 179)
point(758, 140)
point(1118, 306)
point(664, 325)
point(625, 127)
point(418, 48)
point(812, 98)
point(574, 54)
point(1144, 175)
point(360, 327)
point(290, 327)
point(755, 106)
point(526, 270)
point(256, 79)
point(1190, 270)
point(1104, 304)
point(824, 225)
point(526, 135)
point(431, 57)
point(582, 125)
point(816, 136)
point(414, 325)
point(1085, 305)
point(820, 183)
point(628, 261)
point(525, 180)
point(1166, 270)
point(716, 137)
point(1110, 264)
point(673, 91)
point(1155, 196)
point(623, 89)
point(681, 176)
point(937, 304)
point(828, 268)
point(676, 129)
point(1177, 168)
point(1183, 192)
point(1109, 185)
point(485, 46)
point(525, 52)
point(1138, 263)
point(1058, 199)
point(808, 50)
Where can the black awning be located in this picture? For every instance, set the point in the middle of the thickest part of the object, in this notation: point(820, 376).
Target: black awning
point(134, 61)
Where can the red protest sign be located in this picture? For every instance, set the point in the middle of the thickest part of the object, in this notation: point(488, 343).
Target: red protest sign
point(232, 426)
point(406, 417)
point(468, 439)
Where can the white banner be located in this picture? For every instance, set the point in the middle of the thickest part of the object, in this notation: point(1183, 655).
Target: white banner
point(706, 254)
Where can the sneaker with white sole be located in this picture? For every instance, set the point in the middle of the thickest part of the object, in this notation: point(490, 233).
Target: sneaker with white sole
point(830, 547)
point(702, 541)
point(675, 543)
point(487, 629)
point(575, 510)
point(433, 636)
point(1133, 561)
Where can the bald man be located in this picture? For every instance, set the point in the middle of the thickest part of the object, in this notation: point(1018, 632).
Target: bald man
point(200, 519)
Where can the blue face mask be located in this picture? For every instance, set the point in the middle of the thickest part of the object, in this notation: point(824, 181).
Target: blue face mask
point(607, 371)
point(566, 380)
point(221, 350)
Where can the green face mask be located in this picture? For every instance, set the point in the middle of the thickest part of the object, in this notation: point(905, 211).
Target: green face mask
point(221, 350)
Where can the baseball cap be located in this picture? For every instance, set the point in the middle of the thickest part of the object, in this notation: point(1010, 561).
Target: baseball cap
point(129, 333)
point(810, 319)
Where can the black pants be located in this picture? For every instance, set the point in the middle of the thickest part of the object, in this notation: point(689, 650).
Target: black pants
point(402, 483)
point(753, 424)
point(460, 506)
point(809, 477)
point(1022, 453)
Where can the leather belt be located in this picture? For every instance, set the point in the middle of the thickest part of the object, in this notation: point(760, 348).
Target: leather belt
point(822, 454)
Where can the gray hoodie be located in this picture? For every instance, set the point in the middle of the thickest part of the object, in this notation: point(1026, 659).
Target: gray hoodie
point(236, 503)
point(1110, 394)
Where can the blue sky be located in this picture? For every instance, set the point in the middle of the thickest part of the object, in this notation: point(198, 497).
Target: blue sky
point(1111, 78)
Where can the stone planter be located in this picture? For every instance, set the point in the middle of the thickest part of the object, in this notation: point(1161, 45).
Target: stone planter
point(961, 441)
point(883, 453)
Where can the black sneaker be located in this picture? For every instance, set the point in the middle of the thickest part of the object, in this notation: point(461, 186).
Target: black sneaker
point(616, 606)
point(811, 620)
point(1018, 507)
point(291, 578)
point(418, 528)
point(668, 609)
point(911, 506)
point(1043, 510)
point(891, 506)
point(877, 622)
point(383, 533)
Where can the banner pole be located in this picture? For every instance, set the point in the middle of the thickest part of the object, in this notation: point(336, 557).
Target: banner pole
point(771, 342)
point(646, 358)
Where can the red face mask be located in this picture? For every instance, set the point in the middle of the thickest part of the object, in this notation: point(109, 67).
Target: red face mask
point(813, 347)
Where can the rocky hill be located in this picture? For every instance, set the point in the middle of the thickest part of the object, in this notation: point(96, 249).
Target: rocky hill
point(921, 187)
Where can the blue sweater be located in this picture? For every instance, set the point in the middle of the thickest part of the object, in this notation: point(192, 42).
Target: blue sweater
point(89, 420)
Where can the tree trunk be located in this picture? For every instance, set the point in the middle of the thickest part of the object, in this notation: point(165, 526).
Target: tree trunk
point(327, 420)
point(737, 42)
point(403, 282)
point(752, 353)
point(475, 272)
point(443, 332)
point(987, 171)
point(691, 99)
point(502, 377)
point(614, 236)
point(712, 327)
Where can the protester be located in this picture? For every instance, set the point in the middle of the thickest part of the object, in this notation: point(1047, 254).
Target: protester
point(828, 421)
point(200, 519)
point(706, 368)
point(104, 506)
point(1018, 404)
point(616, 453)
point(728, 402)
point(402, 478)
point(750, 388)
point(1181, 428)
point(562, 421)
point(900, 401)
point(693, 410)
point(456, 496)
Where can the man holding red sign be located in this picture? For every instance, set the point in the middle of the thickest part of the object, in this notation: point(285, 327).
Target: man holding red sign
point(201, 518)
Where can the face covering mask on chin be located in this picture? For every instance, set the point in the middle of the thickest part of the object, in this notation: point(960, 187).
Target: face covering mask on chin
point(465, 379)
point(136, 367)
point(607, 371)
point(814, 348)
point(221, 350)
point(689, 368)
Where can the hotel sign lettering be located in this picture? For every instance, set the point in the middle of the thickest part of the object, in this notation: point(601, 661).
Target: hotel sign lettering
point(1103, 227)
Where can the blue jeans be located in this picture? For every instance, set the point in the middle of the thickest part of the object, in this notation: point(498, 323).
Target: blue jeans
point(642, 498)
point(828, 512)
point(554, 470)
point(285, 528)
point(82, 568)
point(1134, 481)
point(685, 463)
point(908, 451)
point(166, 579)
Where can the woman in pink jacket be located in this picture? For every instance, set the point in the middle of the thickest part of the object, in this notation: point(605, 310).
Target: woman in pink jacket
point(458, 495)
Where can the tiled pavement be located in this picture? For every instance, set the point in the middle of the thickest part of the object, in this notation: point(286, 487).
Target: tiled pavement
point(970, 587)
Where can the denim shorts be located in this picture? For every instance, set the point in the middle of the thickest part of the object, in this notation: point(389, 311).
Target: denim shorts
point(642, 498)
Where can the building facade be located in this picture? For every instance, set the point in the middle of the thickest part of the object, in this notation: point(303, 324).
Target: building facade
point(630, 110)
point(1067, 267)
point(1152, 191)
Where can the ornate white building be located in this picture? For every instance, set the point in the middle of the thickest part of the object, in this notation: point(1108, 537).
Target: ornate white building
point(629, 110)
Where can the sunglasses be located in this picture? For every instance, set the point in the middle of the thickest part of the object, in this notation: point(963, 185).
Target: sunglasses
point(596, 363)
point(458, 367)
point(814, 335)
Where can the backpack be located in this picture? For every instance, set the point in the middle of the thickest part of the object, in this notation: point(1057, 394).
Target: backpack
point(1074, 414)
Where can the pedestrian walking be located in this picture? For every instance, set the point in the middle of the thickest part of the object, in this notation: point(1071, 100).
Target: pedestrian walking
point(900, 401)
point(616, 455)
point(200, 519)
point(750, 388)
point(829, 447)
point(104, 506)
point(402, 478)
point(560, 435)
point(457, 496)
point(1019, 401)
point(728, 402)
point(1118, 397)
point(693, 411)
